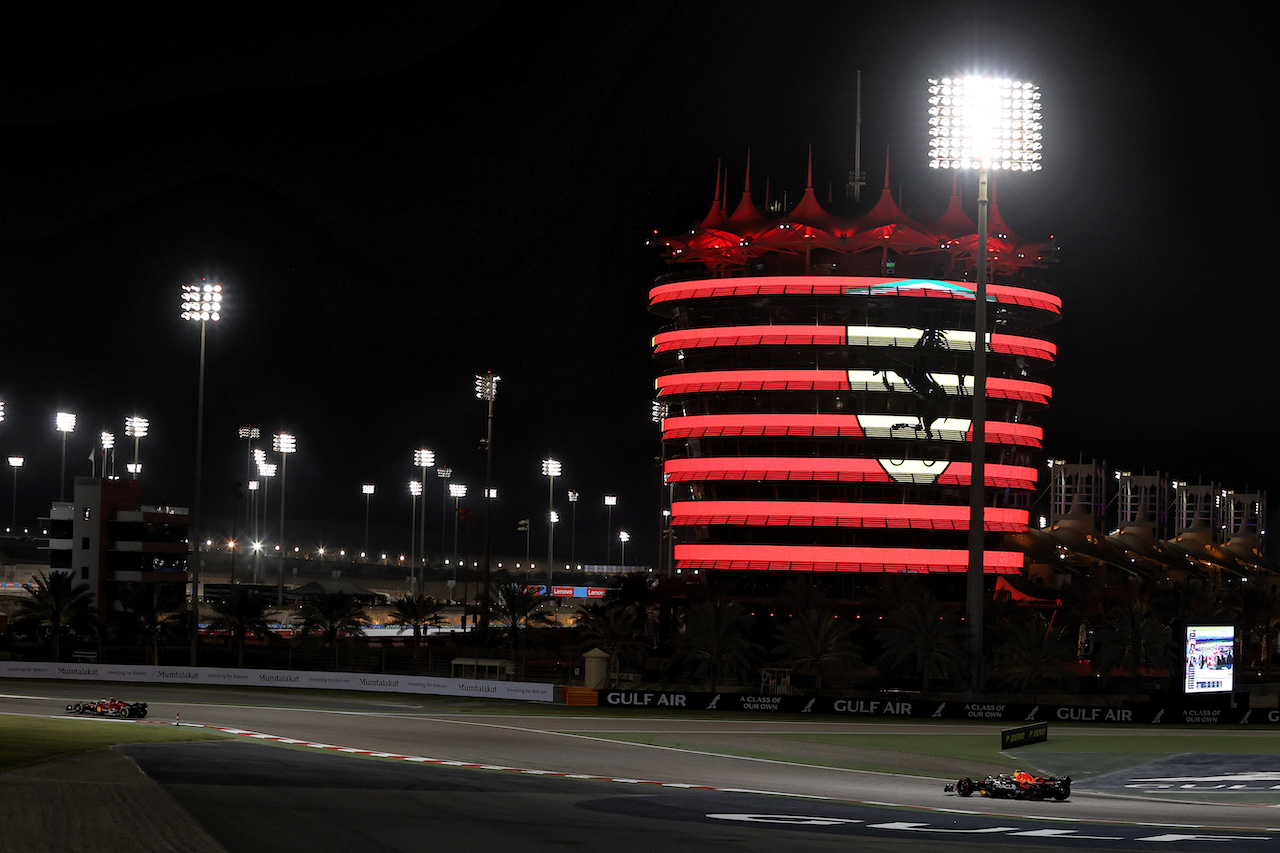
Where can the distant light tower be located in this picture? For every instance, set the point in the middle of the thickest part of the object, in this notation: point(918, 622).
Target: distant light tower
point(65, 422)
point(573, 527)
point(108, 449)
point(981, 123)
point(415, 491)
point(610, 501)
point(249, 434)
point(367, 489)
point(284, 444)
point(201, 303)
point(487, 390)
point(254, 486)
point(425, 459)
point(15, 462)
point(457, 491)
point(266, 470)
point(443, 473)
point(624, 537)
point(136, 428)
point(551, 469)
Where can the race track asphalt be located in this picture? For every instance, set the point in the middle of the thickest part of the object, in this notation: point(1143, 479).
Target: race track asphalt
point(251, 795)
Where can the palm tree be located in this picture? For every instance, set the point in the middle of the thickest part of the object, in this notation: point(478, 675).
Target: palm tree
point(814, 642)
point(925, 640)
point(1031, 656)
point(332, 616)
point(614, 631)
point(715, 640)
point(1135, 638)
point(416, 612)
point(244, 613)
point(513, 610)
point(152, 611)
point(56, 603)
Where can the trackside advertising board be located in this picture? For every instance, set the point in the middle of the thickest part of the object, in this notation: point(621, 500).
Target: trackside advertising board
point(1201, 710)
point(527, 691)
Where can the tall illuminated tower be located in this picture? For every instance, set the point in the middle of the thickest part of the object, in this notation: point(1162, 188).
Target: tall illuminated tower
point(817, 375)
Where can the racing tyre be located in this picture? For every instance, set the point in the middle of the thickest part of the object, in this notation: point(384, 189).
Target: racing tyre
point(1035, 793)
point(78, 708)
point(142, 714)
point(964, 787)
point(1062, 791)
point(124, 712)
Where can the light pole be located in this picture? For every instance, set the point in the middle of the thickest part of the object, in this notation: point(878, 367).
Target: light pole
point(15, 462)
point(367, 490)
point(253, 525)
point(284, 444)
point(415, 491)
point(610, 501)
point(487, 390)
point(424, 459)
point(457, 491)
point(551, 469)
point(573, 527)
point(266, 470)
point(443, 473)
point(136, 428)
point(624, 537)
point(108, 450)
point(65, 422)
point(201, 303)
point(249, 434)
point(981, 123)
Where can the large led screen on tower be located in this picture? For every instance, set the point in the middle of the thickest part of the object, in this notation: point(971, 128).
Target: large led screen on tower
point(1210, 659)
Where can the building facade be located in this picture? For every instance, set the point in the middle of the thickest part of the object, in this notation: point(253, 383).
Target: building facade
point(106, 537)
point(816, 386)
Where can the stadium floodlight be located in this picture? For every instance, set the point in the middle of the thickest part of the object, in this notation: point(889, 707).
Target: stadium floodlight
point(136, 428)
point(15, 462)
point(283, 443)
point(367, 490)
point(982, 123)
point(487, 390)
point(64, 422)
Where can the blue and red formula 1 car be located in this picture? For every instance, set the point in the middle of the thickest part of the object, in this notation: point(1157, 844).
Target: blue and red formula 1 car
point(1019, 785)
point(109, 708)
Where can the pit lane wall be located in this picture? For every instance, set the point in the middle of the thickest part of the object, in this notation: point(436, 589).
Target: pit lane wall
point(1216, 710)
point(526, 691)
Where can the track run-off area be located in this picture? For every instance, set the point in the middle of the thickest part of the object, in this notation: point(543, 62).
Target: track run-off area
point(530, 775)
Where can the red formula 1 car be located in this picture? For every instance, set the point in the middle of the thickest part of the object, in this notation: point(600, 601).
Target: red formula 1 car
point(1020, 785)
point(109, 708)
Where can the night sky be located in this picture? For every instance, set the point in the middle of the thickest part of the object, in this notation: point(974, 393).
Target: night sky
point(397, 201)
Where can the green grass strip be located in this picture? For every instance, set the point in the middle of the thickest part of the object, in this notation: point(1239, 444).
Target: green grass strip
point(25, 741)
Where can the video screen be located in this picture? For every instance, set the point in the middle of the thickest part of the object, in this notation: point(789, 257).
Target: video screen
point(1210, 660)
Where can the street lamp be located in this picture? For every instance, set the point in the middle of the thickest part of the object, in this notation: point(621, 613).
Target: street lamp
point(551, 469)
point(487, 390)
point(15, 462)
point(415, 491)
point(367, 489)
point(136, 428)
point(610, 501)
point(284, 444)
point(201, 303)
point(64, 422)
point(981, 123)
point(624, 537)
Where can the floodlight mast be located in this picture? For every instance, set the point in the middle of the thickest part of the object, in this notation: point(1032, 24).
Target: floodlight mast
point(981, 123)
point(487, 390)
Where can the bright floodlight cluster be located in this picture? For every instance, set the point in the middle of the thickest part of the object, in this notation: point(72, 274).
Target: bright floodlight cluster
point(284, 443)
point(136, 427)
point(487, 386)
point(982, 123)
point(201, 302)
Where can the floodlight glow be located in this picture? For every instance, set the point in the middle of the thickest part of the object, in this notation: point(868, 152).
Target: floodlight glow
point(424, 458)
point(201, 303)
point(250, 432)
point(487, 386)
point(17, 461)
point(367, 489)
point(984, 123)
point(284, 443)
point(457, 490)
point(415, 488)
point(108, 441)
point(551, 468)
point(267, 469)
point(610, 500)
point(65, 422)
point(136, 427)
point(624, 536)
